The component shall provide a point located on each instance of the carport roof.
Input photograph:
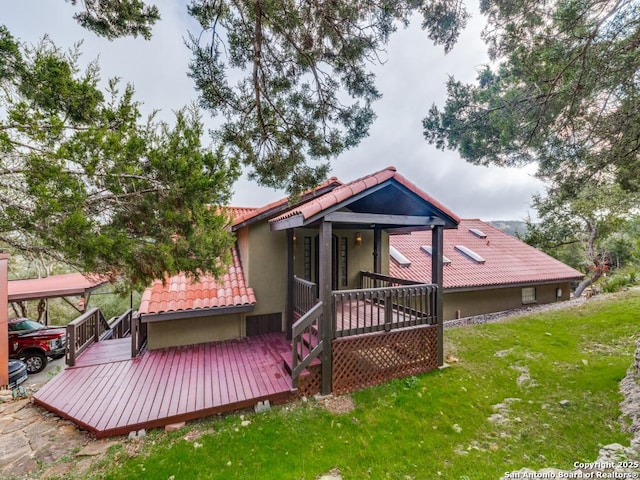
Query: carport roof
(64, 285)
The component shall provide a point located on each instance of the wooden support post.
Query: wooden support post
(71, 345)
(324, 294)
(289, 306)
(437, 246)
(377, 254)
(4, 319)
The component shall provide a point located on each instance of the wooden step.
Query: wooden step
(287, 361)
(310, 340)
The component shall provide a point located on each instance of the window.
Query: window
(529, 295)
(343, 262)
(307, 258)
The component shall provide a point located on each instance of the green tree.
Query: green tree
(585, 218)
(292, 81)
(86, 182)
(117, 18)
(562, 90)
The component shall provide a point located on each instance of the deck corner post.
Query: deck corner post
(4, 319)
(71, 346)
(324, 294)
(289, 306)
(437, 240)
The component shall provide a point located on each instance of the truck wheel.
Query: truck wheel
(36, 361)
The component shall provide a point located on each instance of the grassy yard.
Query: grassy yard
(497, 409)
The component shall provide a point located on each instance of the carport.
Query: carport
(55, 286)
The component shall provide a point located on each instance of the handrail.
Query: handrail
(121, 326)
(88, 328)
(305, 295)
(378, 278)
(305, 325)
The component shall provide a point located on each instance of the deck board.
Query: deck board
(111, 395)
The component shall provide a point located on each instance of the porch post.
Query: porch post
(288, 311)
(377, 250)
(4, 319)
(324, 294)
(436, 278)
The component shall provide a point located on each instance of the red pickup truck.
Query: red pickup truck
(34, 343)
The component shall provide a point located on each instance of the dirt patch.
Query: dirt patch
(338, 405)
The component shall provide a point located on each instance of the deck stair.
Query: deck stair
(309, 341)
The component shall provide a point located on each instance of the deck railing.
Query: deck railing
(305, 296)
(85, 330)
(377, 280)
(306, 343)
(383, 308)
(121, 326)
(138, 335)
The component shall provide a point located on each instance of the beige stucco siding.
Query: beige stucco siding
(359, 257)
(479, 302)
(191, 331)
(265, 267)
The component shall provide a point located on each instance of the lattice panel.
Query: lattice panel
(309, 384)
(364, 360)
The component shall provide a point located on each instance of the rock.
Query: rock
(262, 407)
(333, 474)
(173, 427)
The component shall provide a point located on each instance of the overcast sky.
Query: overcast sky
(412, 78)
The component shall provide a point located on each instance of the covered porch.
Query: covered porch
(385, 327)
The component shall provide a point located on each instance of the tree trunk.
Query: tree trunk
(587, 282)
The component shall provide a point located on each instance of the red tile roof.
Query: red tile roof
(180, 293)
(237, 212)
(348, 190)
(273, 206)
(507, 259)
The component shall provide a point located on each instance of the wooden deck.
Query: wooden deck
(109, 393)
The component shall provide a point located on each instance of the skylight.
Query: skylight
(470, 253)
(427, 249)
(478, 233)
(399, 258)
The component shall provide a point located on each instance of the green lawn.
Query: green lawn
(435, 425)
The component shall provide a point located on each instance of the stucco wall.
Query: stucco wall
(359, 257)
(191, 331)
(479, 302)
(265, 267)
